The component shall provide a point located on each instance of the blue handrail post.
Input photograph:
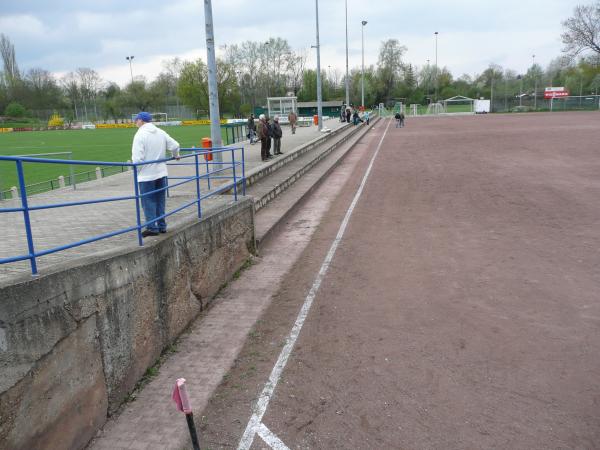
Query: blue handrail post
(234, 177)
(137, 205)
(25, 206)
(243, 173)
(198, 186)
(207, 170)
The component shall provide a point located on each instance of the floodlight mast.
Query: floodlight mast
(319, 95)
(362, 81)
(347, 73)
(213, 94)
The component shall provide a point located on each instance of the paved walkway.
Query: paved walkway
(205, 354)
(56, 227)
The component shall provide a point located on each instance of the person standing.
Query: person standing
(150, 144)
(348, 114)
(401, 119)
(270, 141)
(251, 129)
(397, 117)
(277, 133)
(293, 119)
(263, 131)
(366, 117)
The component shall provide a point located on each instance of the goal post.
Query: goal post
(459, 104)
(156, 117)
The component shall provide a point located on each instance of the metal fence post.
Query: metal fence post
(72, 172)
(243, 173)
(198, 186)
(207, 172)
(137, 205)
(26, 217)
(234, 177)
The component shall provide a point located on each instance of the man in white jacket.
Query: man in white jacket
(150, 144)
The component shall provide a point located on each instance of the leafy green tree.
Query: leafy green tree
(15, 109)
(192, 87)
(140, 96)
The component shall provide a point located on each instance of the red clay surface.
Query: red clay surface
(461, 310)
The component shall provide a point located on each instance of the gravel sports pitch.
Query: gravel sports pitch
(461, 309)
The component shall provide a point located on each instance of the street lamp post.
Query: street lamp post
(213, 94)
(130, 58)
(319, 94)
(347, 74)
(436, 67)
(362, 81)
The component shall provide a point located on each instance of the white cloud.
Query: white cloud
(22, 25)
(473, 33)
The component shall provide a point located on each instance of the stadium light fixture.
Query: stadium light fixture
(130, 58)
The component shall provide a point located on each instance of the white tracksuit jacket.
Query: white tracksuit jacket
(150, 144)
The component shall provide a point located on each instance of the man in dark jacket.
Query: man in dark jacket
(277, 133)
(263, 129)
(269, 123)
(251, 129)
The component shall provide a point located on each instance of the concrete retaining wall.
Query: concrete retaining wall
(73, 344)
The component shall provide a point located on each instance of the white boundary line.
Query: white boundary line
(265, 397)
(273, 441)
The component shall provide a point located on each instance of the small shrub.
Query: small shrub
(14, 109)
(56, 121)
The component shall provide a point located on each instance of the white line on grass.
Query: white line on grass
(267, 392)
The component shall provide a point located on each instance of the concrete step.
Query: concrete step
(298, 179)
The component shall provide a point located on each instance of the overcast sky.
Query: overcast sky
(62, 35)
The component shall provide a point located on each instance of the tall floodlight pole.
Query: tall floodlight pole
(130, 58)
(534, 82)
(436, 68)
(347, 73)
(319, 96)
(362, 80)
(213, 94)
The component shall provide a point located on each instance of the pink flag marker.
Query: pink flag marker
(182, 401)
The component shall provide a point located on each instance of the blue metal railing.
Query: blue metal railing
(211, 171)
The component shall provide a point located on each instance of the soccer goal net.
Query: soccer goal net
(435, 108)
(156, 117)
(459, 104)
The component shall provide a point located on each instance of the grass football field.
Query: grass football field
(90, 145)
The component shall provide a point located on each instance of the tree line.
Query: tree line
(250, 72)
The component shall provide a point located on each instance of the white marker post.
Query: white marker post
(180, 397)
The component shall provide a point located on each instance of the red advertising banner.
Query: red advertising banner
(555, 92)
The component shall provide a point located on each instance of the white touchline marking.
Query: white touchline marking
(267, 392)
(270, 439)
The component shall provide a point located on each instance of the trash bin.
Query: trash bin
(207, 143)
(316, 119)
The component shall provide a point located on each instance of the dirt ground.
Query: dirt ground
(461, 310)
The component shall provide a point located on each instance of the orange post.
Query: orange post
(207, 143)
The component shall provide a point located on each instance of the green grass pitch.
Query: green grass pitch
(90, 145)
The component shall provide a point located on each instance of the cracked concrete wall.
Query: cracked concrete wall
(74, 343)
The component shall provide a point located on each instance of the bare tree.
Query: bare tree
(71, 89)
(11, 70)
(582, 31)
(90, 84)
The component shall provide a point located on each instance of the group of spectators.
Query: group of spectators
(268, 132)
(352, 115)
